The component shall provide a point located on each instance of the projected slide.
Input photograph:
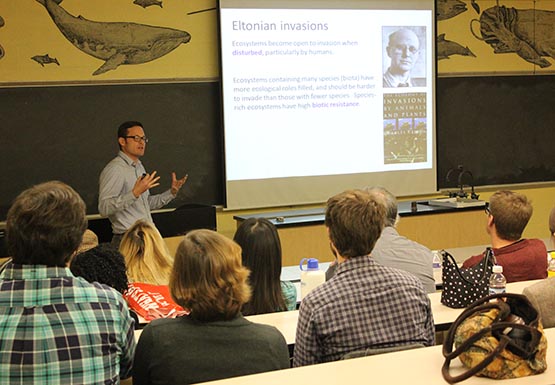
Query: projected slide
(326, 92)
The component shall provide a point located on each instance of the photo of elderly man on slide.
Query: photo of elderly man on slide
(404, 56)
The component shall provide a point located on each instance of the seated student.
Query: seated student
(55, 328)
(147, 257)
(90, 240)
(542, 294)
(214, 341)
(103, 264)
(508, 214)
(396, 251)
(365, 305)
(261, 253)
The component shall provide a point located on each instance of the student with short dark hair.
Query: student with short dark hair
(81, 333)
(214, 341)
(261, 253)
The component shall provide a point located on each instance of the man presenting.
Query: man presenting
(124, 195)
(403, 49)
(365, 305)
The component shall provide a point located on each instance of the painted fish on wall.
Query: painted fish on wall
(446, 48)
(447, 9)
(147, 3)
(117, 43)
(45, 59)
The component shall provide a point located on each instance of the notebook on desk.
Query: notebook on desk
(457, 202)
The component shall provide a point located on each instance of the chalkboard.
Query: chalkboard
(501, 128)
(69, 133)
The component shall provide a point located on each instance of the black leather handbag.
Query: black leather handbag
(461, 287)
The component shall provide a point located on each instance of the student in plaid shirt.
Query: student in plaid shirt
(365, 305)
(56, 328)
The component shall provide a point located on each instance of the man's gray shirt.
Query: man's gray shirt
(116, 199)
(396, 251)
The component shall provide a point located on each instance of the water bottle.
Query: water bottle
(497, 281)
(436, 265)
(311, 276)
(436, 260)
(551, 265)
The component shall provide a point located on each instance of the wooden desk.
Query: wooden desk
(415, 367)
(303, 234)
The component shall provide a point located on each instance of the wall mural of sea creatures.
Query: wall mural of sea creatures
(446, 48)
(2, 52)
(45, 59)
(447, 9)
(117, 43)
(147, 3)
(527, 32)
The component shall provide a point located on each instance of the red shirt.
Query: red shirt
(523, 260)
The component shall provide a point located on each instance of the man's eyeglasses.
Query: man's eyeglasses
(137, 138)
(400, 48)
(487, 209)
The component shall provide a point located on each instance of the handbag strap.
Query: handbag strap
(480, 366)
(488, 258)
(480, 306)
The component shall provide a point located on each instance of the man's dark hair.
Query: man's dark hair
(123, 128)
(102, 264)
(45, 225)
(261, 254)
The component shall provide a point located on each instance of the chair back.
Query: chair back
(374, 351)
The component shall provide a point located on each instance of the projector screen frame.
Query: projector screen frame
(320, 188)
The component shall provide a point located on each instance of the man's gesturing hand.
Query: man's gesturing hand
(145, 183)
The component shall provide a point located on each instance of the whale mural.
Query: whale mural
(117, 43)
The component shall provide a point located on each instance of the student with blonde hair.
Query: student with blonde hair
(214, 341)
(147, 257)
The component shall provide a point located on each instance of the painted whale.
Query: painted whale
(116, 43)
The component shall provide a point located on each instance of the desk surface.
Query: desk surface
(415, 367)
(316, 216)
(286, 322)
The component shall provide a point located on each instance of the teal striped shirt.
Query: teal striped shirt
(59, 329)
